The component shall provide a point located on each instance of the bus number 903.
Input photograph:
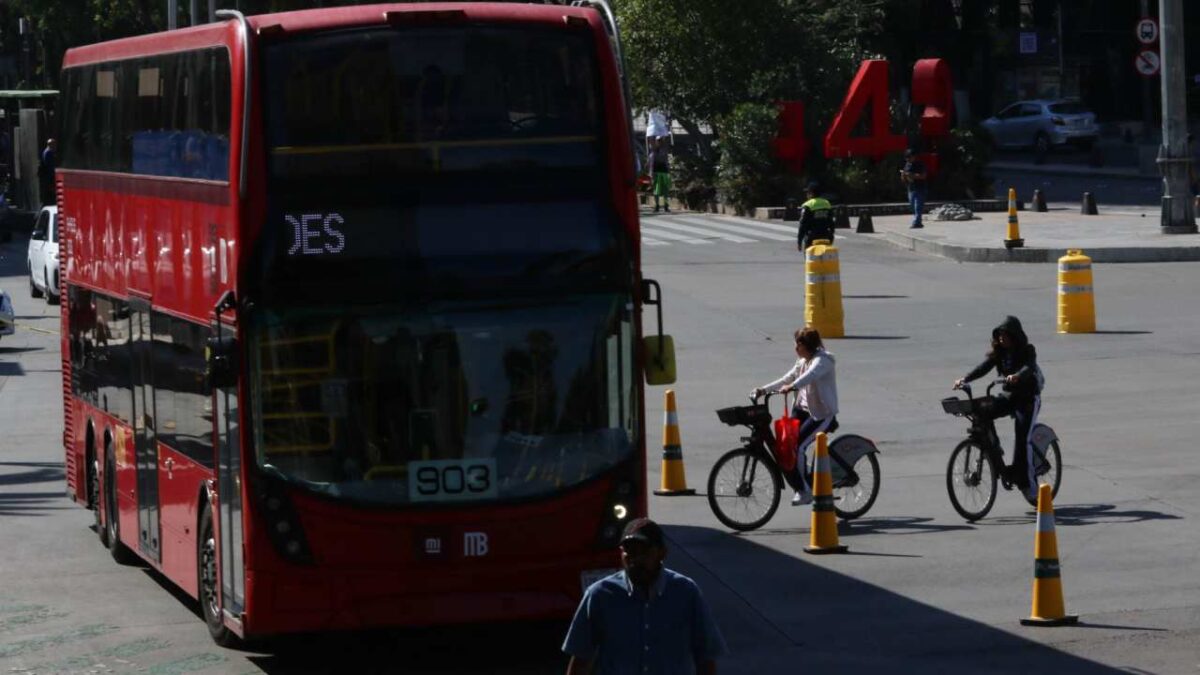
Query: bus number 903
(452, 480)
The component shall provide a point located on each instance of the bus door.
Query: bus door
(144, 441)
(232, 571)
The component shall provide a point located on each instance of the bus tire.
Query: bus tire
(206, 589)
(93, 496)
(112, 524)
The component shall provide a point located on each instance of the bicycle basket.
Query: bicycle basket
(744, 415)
(964, 406)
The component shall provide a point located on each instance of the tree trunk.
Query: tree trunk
(703, 143)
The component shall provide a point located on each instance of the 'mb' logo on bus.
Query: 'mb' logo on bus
(475, 544)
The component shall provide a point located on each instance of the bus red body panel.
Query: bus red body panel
(158, 232)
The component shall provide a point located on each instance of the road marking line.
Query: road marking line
(750, 222)
(660, 222)
(663, 234)
(740, 229)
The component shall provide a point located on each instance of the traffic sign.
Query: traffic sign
(1147, 30)
(1147, 63)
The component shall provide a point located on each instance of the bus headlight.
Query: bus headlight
(620, 511)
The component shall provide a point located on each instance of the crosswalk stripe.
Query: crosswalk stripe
(740, 229)
(751, 222)
(664, 234)
(660, 222)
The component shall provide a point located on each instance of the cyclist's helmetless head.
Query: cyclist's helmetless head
(643, 548)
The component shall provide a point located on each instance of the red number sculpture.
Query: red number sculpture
(791, 145)
(870, 86)
(933, 88)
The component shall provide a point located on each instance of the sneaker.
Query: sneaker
(915, 226)
(1042, 469)
(656, 209)
(801, 498)
(667, 209)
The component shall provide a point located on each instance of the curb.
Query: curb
(984, 254)
(1068, 170)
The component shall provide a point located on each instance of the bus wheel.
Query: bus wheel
(93, 482)
(119, 551)
(206, 564)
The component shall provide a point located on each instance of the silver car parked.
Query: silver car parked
(1043, 125)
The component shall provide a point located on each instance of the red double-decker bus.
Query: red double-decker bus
(351, 311)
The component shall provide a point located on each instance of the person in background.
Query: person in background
(645, 619)
(46, 166)
(816, 219)
(913, 175)
(660, 172)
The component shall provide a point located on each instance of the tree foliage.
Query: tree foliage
(699, 59)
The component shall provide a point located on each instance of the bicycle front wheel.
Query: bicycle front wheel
(971, 481)
(854, 492)
(743, 489)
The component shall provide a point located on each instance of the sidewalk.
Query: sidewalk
(1115, 237)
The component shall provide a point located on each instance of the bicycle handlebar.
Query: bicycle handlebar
(966, 386)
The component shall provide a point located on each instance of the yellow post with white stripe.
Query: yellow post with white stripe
(823, 290)
(1048, 607)
(674, 482)
(1013, 238)
(823, 535)
(1076, 302)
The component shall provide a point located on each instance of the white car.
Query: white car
(8, 321)
(43, 255)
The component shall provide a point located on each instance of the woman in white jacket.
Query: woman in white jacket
(814, 377)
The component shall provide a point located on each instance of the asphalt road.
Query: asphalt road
(920, 590)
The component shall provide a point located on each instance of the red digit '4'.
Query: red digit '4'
(933, 88)
(870, 87)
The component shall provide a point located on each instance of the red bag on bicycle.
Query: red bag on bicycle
(787, 437)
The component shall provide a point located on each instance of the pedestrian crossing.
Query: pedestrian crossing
(696, 229)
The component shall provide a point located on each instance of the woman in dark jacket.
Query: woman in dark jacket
(1016, 361)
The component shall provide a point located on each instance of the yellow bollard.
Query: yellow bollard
(1013, 239)
(674, 482)
(823, 290)
(1076, 302)
(823, 536)
(1048, 607)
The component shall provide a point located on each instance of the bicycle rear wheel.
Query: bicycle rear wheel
(1048, 468)
(743, 489)
(971, 481)
(854, 495)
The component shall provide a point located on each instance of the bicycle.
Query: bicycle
(975, 464)
(745, 484)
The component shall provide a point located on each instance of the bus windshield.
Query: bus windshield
(415, 149)
(458, 402)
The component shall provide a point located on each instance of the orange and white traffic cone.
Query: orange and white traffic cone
(674, 482)
(823, 537)
(1048, 607)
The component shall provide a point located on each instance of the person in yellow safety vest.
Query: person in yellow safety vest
(816, 219)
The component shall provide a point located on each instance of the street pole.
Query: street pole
(195, 12)
(1173, 155)
(1147, 92)
(172, 14)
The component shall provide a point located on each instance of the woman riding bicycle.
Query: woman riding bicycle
(814, 377)
(1016, 361)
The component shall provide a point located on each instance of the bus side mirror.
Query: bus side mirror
(660, 359)
(220, 362)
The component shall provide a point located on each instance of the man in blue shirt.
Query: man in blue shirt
(645, 620)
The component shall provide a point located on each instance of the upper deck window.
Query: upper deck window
(165, 115)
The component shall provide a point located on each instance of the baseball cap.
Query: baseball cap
(644, 529)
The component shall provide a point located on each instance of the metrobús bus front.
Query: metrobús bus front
(441, 326)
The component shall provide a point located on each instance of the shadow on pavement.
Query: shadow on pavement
(11, 370)
(507, 649)
(778, 610)
(38, 472)
(1085, 514)
(19, 350)
(884, 525)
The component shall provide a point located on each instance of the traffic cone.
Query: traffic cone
(1087, 205)
(865, 224)
(1013, 240)
(674, 483)
(1048, 608)
(823, 536)
(1039, 201)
